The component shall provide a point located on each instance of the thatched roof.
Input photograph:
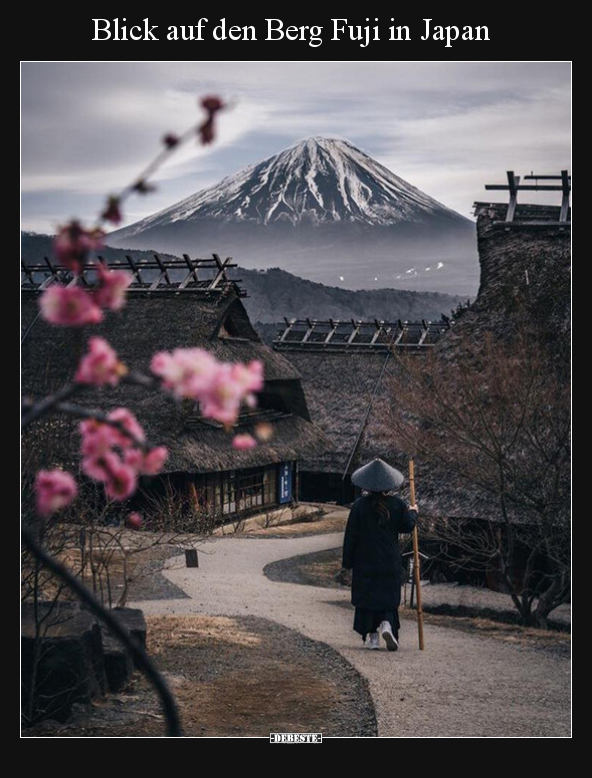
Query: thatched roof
(152, 322)
(525, 277)
(339, 388)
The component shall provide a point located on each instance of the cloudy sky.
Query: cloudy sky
(448, 128)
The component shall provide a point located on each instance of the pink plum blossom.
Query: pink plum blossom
(121, 481)
(134, 457)
(97, 438)
(223, 398)
(154, 460)
(54, 489)
(187, 372)
(100, 367)
(249, 377)
(112, 289)
(96, 467)
(134, 520)
(243, 442)
(73, 244)
(114, 458)
(219, 387)
(129, 423)
(69, 306)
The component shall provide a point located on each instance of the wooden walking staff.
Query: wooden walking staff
(416, 571)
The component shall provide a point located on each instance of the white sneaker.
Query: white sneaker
(373, 641)
(388, 637)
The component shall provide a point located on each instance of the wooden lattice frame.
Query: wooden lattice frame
(174, 275)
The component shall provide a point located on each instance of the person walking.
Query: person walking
(371, 551)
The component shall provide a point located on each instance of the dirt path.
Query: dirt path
(462, 685)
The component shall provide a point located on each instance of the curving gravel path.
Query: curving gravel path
(461, 685)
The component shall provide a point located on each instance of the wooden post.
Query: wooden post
(416, 570)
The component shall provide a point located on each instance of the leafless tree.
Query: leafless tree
(492, 427)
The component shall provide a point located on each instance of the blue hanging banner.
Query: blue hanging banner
(285, 482)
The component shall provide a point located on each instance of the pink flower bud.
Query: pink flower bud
(112, 289)
(243, 442)
(54, 489)
(73, 243)
(134, 520)
(121, 481)
(211, 104)
(154, 460)
(170, 140)
(112, 212)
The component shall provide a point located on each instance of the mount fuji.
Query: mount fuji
(323, 210)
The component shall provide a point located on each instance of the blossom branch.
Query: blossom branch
(32, 412)
(171, 142)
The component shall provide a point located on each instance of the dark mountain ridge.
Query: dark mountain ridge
(274, 293)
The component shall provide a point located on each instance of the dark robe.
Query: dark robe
(371, 551)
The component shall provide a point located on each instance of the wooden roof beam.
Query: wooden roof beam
(308, 333)
(356, 329)
(424, 332)
(192, 274)
(135, 269)
(513, 182)
(332, 331)
(546, 178)
(379, 330)
(28, 272)
(403, 327)
(289, 325)
(527, 187)
(164, 273)
(221, 275)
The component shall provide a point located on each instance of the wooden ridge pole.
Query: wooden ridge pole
(416, 570)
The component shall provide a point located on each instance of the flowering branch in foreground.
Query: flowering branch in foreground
(113, 447)
(219, 387)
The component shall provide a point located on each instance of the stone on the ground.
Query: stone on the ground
(119, 664)
(62, 660)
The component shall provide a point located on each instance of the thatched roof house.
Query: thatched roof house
(174, 304)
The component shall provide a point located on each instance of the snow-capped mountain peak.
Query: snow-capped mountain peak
(318, 180)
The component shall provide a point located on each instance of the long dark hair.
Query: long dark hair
(378, 502)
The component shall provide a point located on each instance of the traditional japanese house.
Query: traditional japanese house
(173, 303)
